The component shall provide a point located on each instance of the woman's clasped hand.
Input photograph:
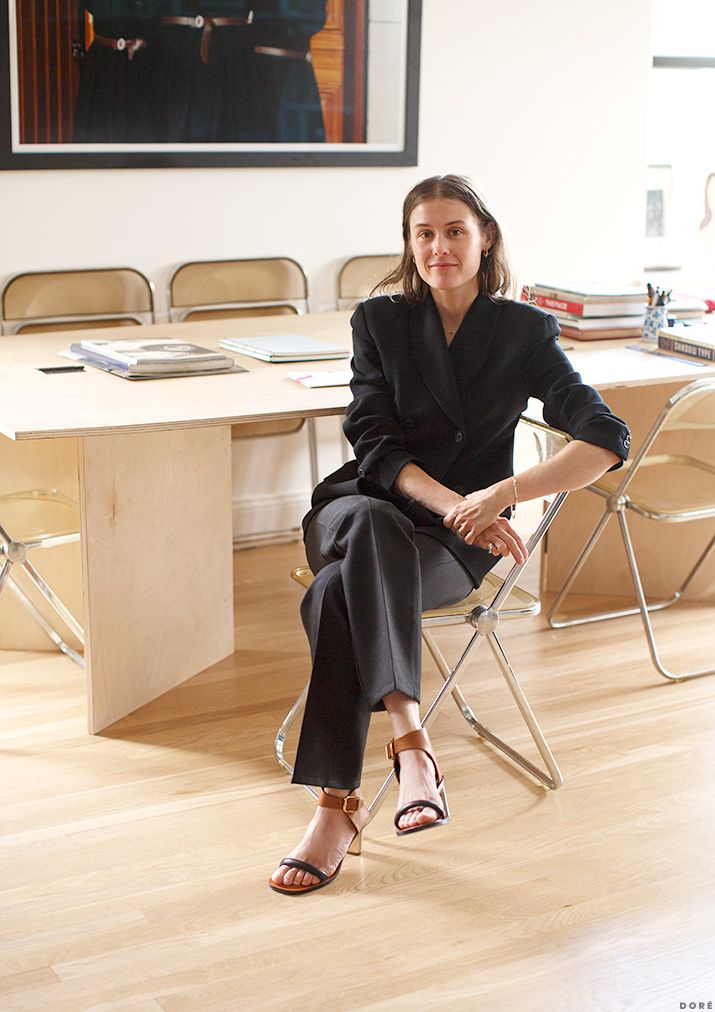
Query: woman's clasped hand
(476, 519)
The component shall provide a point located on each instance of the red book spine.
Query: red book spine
(549, 302)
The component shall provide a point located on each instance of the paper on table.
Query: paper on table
(334, 378)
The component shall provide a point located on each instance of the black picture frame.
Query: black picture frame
(66, 156)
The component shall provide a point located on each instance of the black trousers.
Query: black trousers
(374, 575)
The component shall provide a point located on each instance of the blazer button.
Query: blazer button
(459, 436)
(361, 472)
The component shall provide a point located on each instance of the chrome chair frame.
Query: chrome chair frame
(617, 503)
(484, 619)
(11, 325)
(15, 553)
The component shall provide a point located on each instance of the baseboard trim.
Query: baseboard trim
(261, 518)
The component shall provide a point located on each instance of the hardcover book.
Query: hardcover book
(284, 348)
(696, 341)
(587, 300)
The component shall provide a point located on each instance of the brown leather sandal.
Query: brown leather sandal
(418, 740)
(354, 809)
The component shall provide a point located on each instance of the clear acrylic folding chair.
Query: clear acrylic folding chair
(483, 610)
(38, 301)
(29, 521)
(359, 275)
(666, 487)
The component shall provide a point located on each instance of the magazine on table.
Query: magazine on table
(153, 357)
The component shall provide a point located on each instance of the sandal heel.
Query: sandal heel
(355, 847)
(445, 804)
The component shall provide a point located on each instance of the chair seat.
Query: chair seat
(38, 515)
(518, 604)
(667, 486)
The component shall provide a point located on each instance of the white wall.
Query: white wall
(542, 104)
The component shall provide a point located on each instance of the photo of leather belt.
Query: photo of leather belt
(121, 45)
(206, 25)
(289, 54)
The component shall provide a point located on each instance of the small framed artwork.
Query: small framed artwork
(173, 83)
(659, 238)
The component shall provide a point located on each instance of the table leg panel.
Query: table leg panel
(157, 563)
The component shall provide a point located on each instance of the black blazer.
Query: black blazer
(408, 406)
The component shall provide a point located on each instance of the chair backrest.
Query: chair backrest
(57, 300)
(359, 275)
(692, 407)
(227, 288)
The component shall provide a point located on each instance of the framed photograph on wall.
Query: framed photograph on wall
(659, 237)
(181, 83)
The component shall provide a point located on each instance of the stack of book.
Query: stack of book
(694, 340)
(152, 358)
(591, 312)
(687, 307)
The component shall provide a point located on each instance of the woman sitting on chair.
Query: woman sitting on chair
(441, 374)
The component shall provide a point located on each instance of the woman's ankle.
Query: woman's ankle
(337, 792)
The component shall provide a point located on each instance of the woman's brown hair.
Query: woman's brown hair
(494, 275)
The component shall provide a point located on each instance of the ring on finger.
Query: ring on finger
(489, 547)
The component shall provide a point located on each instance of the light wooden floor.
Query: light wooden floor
(133, 865)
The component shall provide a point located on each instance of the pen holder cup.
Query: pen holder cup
(655, 318)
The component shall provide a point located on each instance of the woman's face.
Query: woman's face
(447, 244)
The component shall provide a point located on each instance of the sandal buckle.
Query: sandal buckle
(351, 804)
(390, 749)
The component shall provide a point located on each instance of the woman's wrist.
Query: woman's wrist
(505, 493)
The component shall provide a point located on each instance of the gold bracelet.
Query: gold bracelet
(516, 495)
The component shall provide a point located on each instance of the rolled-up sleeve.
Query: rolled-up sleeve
(570, 404)
(371, 422)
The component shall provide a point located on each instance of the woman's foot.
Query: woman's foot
(417, 781)
(325, 844)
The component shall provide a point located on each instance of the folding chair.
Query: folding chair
(228, 289)
(63, 300)
(38, 519)
(665, 487)
(359, 275)
(483, 609)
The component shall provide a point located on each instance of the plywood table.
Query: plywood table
(150, 464)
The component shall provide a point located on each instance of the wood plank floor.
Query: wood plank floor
(133, 864)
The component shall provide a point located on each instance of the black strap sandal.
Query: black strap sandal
(418, 740)
(355, 809)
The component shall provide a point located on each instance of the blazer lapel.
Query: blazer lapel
(477, 332)
(432, 358)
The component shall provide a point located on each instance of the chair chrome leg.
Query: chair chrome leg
(53, 600)
(553, 779)
(557, 622)
(45, 625)
(645, 617)
(313, 451)
(280, 739)
(693, 572)
(576, 568)
(443, 668)
(4, 573)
